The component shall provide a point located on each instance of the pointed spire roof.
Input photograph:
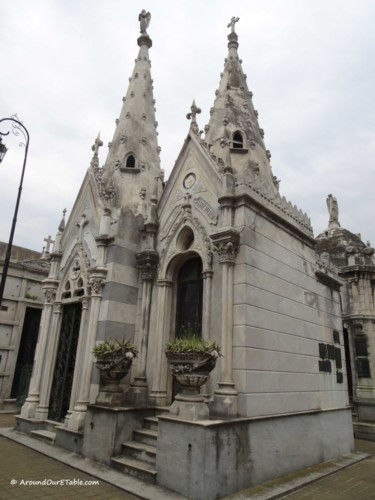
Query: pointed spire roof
(233, 112)
(135, 132)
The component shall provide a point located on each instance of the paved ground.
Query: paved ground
(19, 463)
(355, 482)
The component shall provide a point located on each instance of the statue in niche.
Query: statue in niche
(144, 19)
(333, 210)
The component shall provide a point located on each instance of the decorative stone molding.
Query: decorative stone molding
(97, 281)
(147, 262)
(226, 245)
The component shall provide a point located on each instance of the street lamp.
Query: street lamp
(17, 127)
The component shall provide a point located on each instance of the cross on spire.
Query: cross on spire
(49, 241)
(97, 144)
(232, 23)
(192, 116)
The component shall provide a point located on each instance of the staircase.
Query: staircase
(138, 458)
(47, 434)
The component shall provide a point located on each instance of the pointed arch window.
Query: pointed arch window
(189, 298)
(237, 140)
(130, 164)
(130, 161)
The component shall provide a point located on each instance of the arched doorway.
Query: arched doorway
(65, 361)
(189, 298)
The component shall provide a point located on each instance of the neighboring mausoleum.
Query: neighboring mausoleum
(354, 261)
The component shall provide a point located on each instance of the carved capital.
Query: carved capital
(49, 294)
(96, 284)
(85, 302)
(97, 280)
(147, 262)
(57, 308)
(226, 245)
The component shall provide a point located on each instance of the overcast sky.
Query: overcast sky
(65, 66)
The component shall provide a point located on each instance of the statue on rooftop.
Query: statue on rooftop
(144, 19)
(333, 210)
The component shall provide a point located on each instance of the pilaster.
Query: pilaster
(225, 398)
(147, 263)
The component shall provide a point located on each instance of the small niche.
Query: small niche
(185, 239)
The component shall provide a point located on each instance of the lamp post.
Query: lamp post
(17, 127)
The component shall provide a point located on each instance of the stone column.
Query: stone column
(32, 402)
(147, 262)
(206, 313)
(225, 397)
(49, 362)
(96, 280)
(158, 394)
(85, 301)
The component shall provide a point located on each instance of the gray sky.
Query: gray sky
(310, 65)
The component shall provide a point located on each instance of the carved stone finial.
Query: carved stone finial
(192, 116)
(95, 147)
(333, 211)
(144, 19)
(62, 223)
(97, 144)
(232, 23)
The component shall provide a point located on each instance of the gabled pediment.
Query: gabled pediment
(195, 178)
(83, 224)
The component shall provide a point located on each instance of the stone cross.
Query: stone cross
(192, 116)
(232, 23)
(98, 143)
(49, 241)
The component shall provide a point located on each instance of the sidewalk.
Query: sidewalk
(352, 476)
(23, 458)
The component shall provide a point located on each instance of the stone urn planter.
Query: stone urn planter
(113, 360)
(191, 359)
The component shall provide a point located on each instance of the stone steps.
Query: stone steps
(138, 458)
(135, 468)
(140, 451)
(146, 436)
(44, 435)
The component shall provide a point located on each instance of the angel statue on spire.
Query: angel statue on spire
(144, 19)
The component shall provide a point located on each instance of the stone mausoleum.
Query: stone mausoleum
(215, 246)
(20, 313)
(354, 262)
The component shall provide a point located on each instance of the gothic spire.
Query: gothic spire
(134, 147)
(234, 121)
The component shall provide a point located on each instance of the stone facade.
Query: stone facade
(19, 322)
(354, 261)
(215, 248)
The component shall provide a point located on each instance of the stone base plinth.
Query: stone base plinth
(224, 405)
(189, 410)
(110, 398)
(106, 428)
(214, 458)
(137, 395)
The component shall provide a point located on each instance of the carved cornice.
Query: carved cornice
(147, 262)
(226, 244)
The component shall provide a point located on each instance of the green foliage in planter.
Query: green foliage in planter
(113, 347)
(192, 344)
